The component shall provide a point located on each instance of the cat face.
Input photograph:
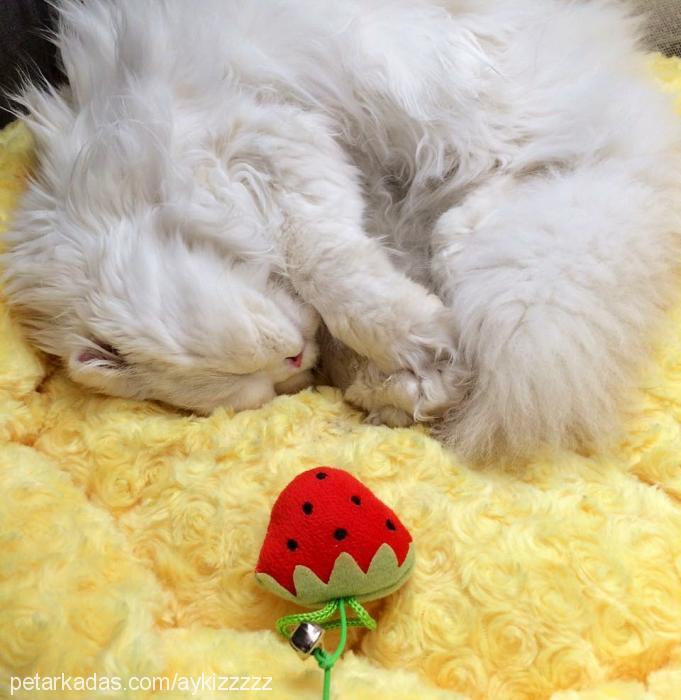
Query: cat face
(143, 254)
(151, 276)
(192, 329)
(151, 317)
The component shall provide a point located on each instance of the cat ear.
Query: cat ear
(96, 354)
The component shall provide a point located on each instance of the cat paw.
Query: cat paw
(402, 398)
(296, 383)
(412, 330)
(428, 342)
(391, 416)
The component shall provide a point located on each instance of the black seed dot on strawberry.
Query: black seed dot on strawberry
(292, 545)
(307, 507)
(356, 500)
(390, 525)
(321, 475)
(340, 533)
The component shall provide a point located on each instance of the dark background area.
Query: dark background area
(25, 50)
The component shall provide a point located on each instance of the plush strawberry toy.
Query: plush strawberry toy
(330, 542)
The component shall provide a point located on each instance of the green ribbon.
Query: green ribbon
(322, 618)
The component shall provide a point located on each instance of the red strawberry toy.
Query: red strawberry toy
(331, 542)
(330, 537)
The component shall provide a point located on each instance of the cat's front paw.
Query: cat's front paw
(391, 416)
(401, 398)
(412, 330)
(426, 344)
(296, 383)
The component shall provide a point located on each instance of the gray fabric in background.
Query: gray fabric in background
(664, 24)
(24, 48)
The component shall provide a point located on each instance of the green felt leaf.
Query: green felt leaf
(383, 577)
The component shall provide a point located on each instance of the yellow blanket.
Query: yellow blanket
(129, 533)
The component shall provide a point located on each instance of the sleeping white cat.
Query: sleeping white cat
(480, 197)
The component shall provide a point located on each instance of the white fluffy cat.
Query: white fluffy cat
(481, 197)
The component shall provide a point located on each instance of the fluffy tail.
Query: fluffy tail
(557, 288)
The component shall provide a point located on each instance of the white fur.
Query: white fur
(219, 171)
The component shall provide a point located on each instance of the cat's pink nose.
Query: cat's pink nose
(297, 360)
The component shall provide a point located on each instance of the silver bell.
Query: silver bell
(306, 638)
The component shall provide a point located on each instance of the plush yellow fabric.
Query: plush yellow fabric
(129, 534)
